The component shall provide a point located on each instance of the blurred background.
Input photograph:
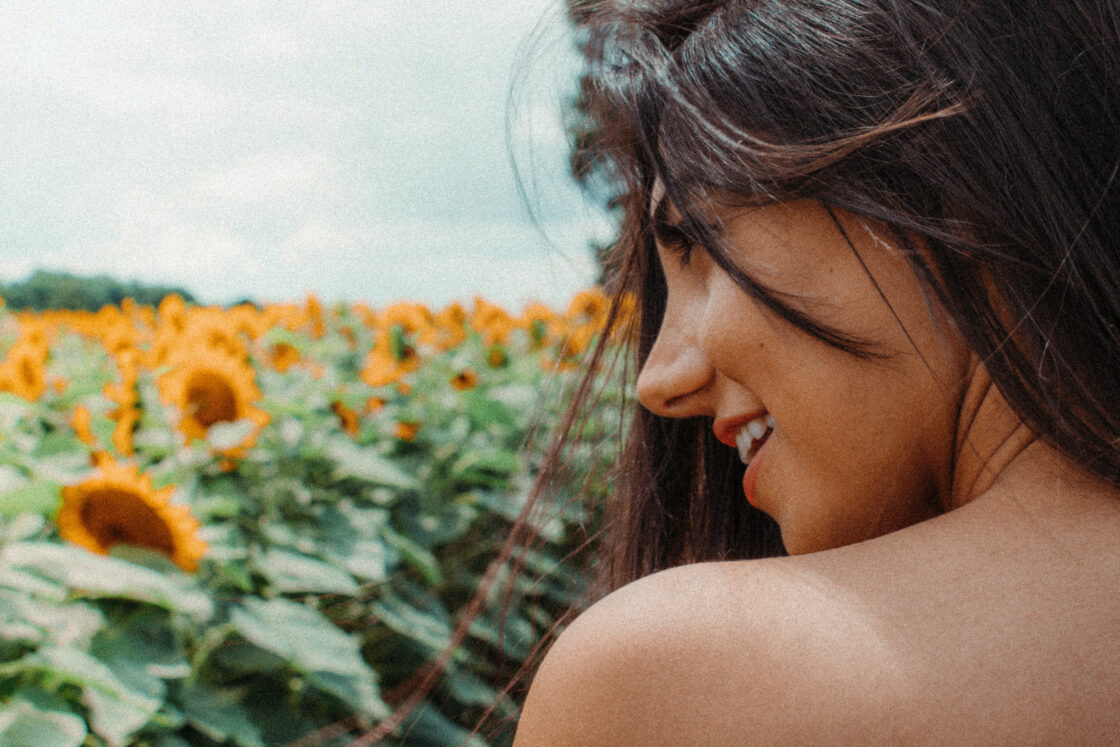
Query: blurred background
(309, 519)
(361, 150)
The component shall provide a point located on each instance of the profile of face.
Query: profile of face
(839, 448)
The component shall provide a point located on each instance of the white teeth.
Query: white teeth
(749, 434)
(743, 441)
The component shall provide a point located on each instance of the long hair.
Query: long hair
(984, 134)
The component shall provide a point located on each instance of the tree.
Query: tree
(60, 290)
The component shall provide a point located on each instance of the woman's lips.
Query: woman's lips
(750, 477)
(726, 428)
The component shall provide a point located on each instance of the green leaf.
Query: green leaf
(216, 507)
(63, 468)
(292, 572)
(467, 688)
(314, 646)
(24, 527)
(402, 617)
(64, 624)
(485, 411)
(516, 639)
(141, 649)
(59, 442)
(97, 576)
(169, 740)
(237, 657)
(103, 428)
(367, 561)
(426, 725)
(415, 556)
(348, 536)
(37, 496)
(398, 343)
(31, 584)
(11, 477)
(499, 461)
(223, 436)
(24, 725)
(219, 715)
(12, 409)
(360, 463)
(116, 711)
(519, 397)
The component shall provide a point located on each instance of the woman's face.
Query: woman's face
(843, 448)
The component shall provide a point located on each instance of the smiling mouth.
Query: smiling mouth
(750, 436)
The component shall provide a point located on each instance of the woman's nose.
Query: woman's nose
(676, 377)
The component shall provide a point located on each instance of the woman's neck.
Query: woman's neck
(990, 439)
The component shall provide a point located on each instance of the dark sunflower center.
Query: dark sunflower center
(116, 517)
(28, 372)
(210, 399)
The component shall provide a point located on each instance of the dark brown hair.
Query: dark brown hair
(984, 132)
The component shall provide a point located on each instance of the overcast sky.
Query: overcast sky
(352, 148)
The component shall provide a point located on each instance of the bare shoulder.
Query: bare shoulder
(708, 653)
(988, 622)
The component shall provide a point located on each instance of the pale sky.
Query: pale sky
(352, 148)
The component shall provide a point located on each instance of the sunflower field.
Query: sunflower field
(259, 525)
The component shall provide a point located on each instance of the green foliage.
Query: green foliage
(60, 290)
(340, 560)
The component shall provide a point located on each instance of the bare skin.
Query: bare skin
(992, 624)
(989, 620)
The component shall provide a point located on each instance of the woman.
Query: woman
(875, 249)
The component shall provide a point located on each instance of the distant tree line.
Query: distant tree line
(60, 290)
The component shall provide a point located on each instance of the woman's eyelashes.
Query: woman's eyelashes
(674, 241)
(669, 233)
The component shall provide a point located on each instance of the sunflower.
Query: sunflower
(315, 318)
(81, 421)
(493, 322)
(464, 380)
(208, 387)
(538, 320)
(381, 369)
(496, 357)
(173, 312)
(127, 418)
(347, 418)
(412, 318)
(212, 327)
(283, 355)
(118, 506)
(392, 358)
(571, 348)
(406, 430)
(449, 328)
(124, 395)
(589, 306)
(24, 371)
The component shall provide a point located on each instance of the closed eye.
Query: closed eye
(670, 235)
(675, 241)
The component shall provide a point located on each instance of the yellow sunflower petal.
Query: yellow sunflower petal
(118, 506)
(209, 387)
